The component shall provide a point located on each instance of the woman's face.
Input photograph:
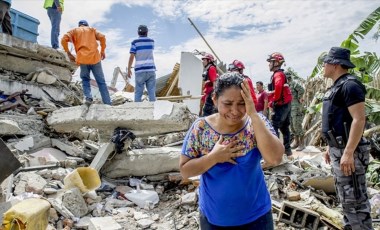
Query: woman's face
(230, 105)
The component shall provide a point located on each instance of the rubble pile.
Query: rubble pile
(69, 166)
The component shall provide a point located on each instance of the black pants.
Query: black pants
(265, 222)
(5, 18)
(281, 121)
(208, 107)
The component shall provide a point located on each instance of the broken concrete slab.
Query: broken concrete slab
(24, 57)
(103, 223)
(50, 156)
(143, 162)
(32, 143)
(29, 124)
(67, 147)
(9, 127)
(72, 199)
(146, 118)
(29, 182)
(11, 86)
(102, 155)
(57, 205)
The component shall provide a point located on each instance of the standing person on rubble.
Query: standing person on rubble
(296, 113)
(262, 99)
(145, 69)
(226, 148)
(343, 122)
(84, 39)
(281, 98)
(239, 67)
(54, 10)
(209, 75)
(5, 16)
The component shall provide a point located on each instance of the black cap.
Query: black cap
(143, 29)
(340, 56)
(82, 23)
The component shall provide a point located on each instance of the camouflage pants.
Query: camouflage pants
(296, 120)
(356, 209)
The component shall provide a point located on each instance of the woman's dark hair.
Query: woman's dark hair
(226, 81)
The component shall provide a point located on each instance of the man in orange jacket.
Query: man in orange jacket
(88, 57)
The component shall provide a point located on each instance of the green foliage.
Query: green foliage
(373, 111)
(367, 64)
(315, 109)
(372, 93)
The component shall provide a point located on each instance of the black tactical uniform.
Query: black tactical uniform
(336, 122)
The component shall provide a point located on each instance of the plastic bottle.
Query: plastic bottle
(142, 197)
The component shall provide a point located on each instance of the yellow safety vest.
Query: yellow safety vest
(49, 3)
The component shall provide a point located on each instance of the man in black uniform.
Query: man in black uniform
(343, 121)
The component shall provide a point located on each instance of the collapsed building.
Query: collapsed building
(116, 167)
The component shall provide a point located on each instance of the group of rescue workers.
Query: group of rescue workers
(226, 143)
(284, 99)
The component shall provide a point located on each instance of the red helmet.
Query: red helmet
(238, 64)
(276, 56)
(208, 57)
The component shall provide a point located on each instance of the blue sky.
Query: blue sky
(236, 29)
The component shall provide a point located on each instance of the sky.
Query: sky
(246, 30)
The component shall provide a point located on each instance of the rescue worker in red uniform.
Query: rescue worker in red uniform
(281, 97)
(209, 75)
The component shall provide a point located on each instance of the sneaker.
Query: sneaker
(87, 101)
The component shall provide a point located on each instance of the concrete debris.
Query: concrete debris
(142, 162)
(102, 156)
(72, 199)
(9, 127)
(103, 223)
(67, 163)
(24, 57)
(140, 118)
(29, 124)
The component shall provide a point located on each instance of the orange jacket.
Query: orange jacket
(85, 42)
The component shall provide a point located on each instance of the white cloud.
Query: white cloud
(301, 30)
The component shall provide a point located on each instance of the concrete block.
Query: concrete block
(299, 217)
(143, 162)
(293, 195)
(102, 155)
(100, 223)
(29, 124)
(141, 118)
(9, 127)
(67, 148)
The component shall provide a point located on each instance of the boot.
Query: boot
(301, 144)
(288, 152)
(295, 142)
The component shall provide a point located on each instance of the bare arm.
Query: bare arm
(130, 62)
(219, 154)
(194, 167)
(265, 111)
(357, 112)
(269, 145)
